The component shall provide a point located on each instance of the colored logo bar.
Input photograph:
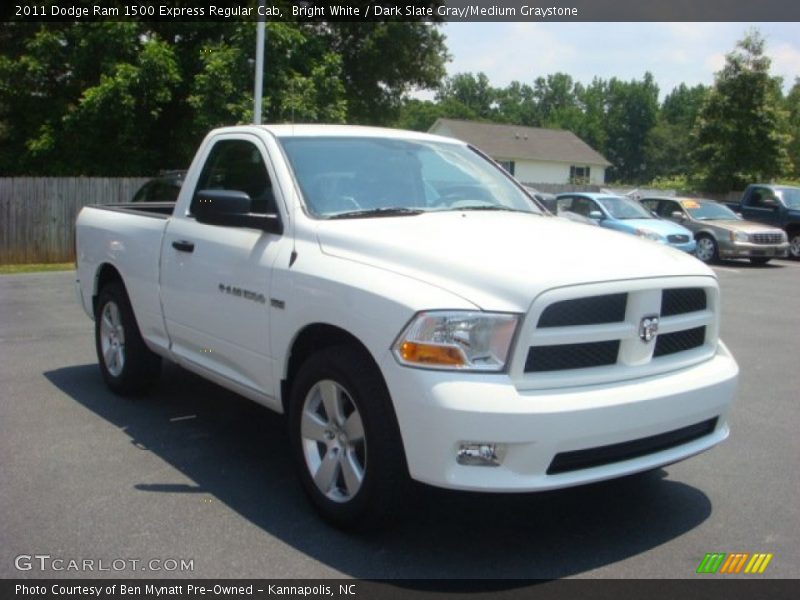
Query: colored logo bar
(733, 563)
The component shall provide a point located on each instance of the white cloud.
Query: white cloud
(714, 62)
(785, 62)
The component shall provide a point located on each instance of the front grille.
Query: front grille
(766, 238)
(585, 311)
(571, 356)
(678, 239)
(679, 341)
(604, 455)
(678, 301)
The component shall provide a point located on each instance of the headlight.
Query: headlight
(650, 235)
(739, 236)
(464, 340)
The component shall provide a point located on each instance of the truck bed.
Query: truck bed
(148, 209)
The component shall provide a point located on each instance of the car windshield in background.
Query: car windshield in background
(624, 208)
(707, 210)
(791, 197)
(373, 177)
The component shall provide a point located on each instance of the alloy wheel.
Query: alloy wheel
(333, 441)
(112, 339)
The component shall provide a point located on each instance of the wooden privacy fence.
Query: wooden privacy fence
(37, 214)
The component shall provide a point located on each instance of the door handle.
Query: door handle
(183, 246)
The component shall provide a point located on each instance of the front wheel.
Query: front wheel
(794, 245)
(706, 249)
(345, 439)
(127, 365)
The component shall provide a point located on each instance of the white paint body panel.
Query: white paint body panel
(369, 277)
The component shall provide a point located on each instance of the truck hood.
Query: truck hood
(500, 260)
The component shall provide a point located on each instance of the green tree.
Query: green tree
(631, 114)
(592, 100)
(382, 63)
(470, 95)
(516, 104)
(668, 143)
(557, 104)
(740, 132)
(793, 110)
(117, 98)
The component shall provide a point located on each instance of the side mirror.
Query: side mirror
(233, 209)
(596, 215)
(677, 215)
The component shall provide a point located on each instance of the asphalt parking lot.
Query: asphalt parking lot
(194, 472)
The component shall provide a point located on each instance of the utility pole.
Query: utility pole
(260, 31)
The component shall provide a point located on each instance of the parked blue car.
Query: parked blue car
(628, 216)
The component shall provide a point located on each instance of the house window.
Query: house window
(508, 165)
(579, 174)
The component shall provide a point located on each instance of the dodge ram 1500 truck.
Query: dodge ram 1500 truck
(409, 307)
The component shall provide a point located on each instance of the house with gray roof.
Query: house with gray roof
(532, 154)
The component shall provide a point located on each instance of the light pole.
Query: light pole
(260, 30)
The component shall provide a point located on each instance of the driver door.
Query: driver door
(215, 280)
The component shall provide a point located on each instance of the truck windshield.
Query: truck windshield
(791, 196)
(354, 177)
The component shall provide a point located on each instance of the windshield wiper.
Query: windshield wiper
(492, 207)
(387, 211)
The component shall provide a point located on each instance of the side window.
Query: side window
(667, 207)
(583, 206)
(757, 196)
(651, 205)
(565, 203)
(238, 165)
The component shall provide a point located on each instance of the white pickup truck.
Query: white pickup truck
(415, 314)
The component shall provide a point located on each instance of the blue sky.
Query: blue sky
(672, 52)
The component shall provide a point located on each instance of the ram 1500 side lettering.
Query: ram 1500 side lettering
(404, 301)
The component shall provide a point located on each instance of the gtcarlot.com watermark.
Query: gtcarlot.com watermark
(46, 562)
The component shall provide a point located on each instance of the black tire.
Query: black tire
(127, 365)
(348, 375)
(760, 260)
(708, 252)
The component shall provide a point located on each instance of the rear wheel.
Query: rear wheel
(706, 249)
(345, 439)
(127, 365)
(759, 260)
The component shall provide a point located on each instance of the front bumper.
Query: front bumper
(748, 250)
(438, 411)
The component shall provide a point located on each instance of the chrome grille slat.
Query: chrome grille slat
(766, 238)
